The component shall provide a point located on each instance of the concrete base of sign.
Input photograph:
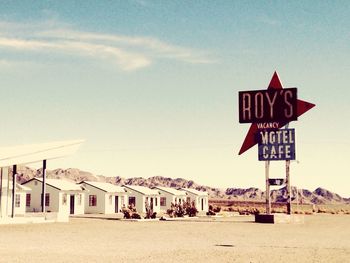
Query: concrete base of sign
(279, 219)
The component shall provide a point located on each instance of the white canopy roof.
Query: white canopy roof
(25, 154)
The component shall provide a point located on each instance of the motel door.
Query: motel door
(116, 201)
(202, 204)
(72, 204)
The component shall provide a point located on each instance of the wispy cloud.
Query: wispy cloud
(129, 53)
(269, 20)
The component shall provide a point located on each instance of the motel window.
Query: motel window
(64, 199)
(47, 199)
(79, 199)
(92, 200)
(132, 200)
(28, 197)
(163, 201)
(156, 201)
(18, 200)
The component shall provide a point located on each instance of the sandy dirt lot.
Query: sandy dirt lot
(322, 238)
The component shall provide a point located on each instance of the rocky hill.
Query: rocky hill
(71, 174)
(319, 196)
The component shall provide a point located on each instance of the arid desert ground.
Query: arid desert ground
(322, 238)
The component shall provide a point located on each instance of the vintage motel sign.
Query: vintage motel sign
(268, 111)
(301, 108)
(276, 145)
(272, 105)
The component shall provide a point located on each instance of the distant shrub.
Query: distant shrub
(180, 210)
(217, 209)
(243, 212)
(321, 210)
(127, 214)
(308, 213)
(213, 210)
(211, 213)
(298, 212)
(255, 211)
(130, 212)
(135, 216)
(190, 209)
(170, 212)
(149, 211)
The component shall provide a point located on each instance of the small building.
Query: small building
(170, 196)
(199, 198)
(103, 198)
(61, 196)
(21, 199)
(139, 196)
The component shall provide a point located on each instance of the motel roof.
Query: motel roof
(142, 189)
(59, 184)
(105, 187)
(170, 190)
(194, 191)
(22, 188)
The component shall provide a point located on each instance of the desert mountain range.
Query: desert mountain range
(318, 196)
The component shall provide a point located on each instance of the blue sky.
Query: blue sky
(153, 85)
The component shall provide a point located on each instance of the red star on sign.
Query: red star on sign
(302, 107)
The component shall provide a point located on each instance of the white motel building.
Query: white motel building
(103, 198)
(62, 196)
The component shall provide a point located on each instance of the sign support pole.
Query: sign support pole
(289, 192)
(268, 200)
(43, 190)
(14, 175)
